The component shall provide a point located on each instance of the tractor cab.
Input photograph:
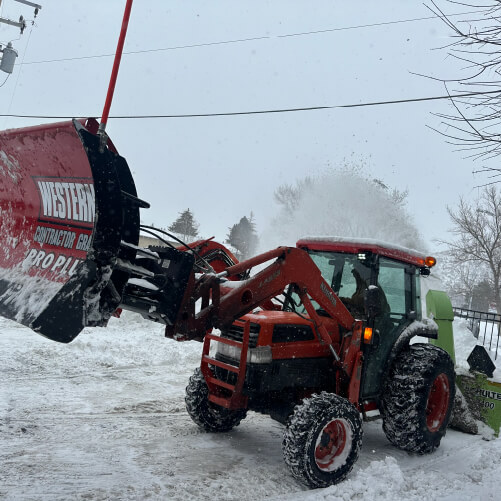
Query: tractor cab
(353, 267)
(378, 283)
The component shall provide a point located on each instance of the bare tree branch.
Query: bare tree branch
(477, 227)
(476, 41)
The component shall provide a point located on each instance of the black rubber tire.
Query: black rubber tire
(306, 427)
(208, 416)
(406, 403)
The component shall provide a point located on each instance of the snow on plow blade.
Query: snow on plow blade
(66, 209)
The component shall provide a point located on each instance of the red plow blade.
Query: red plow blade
(68, 213)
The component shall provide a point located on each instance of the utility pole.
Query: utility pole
(9, 54)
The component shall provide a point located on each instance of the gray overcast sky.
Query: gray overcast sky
(224, 167)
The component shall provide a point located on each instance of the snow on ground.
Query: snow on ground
(104, 418)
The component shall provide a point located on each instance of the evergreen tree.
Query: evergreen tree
(243, 237)
(482, 296)
(185, 226)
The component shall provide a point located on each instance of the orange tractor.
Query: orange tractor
(319, 338)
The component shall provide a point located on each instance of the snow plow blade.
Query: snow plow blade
(69, 217)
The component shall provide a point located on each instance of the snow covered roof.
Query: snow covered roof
(356, 244)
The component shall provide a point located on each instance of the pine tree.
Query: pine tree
(185, 226)
(243, 237)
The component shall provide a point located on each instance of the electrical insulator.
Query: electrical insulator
(8, 59)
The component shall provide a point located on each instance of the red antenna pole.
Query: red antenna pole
(116, 66)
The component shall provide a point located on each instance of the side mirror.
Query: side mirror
(372, 301)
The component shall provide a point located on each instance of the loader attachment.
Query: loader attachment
(69, 224)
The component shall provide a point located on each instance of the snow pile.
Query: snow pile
(387, 480)
(130, 341)
(27, 295)
(464, 342)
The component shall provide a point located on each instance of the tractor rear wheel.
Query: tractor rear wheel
(322, 440)
(418, 397)
(208, 416)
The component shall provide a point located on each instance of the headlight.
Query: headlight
(259, 355)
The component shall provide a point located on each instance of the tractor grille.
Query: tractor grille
(285, 333)
(236, 332)
(223, 374)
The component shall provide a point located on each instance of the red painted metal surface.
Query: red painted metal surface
(334, 437)
(216, 254)
(303, 349)
(47, 203)
(116, 65)
(57, 268)
(354, 247)
(291, 266)
(355, 380)
(220, 392)
(438, 403)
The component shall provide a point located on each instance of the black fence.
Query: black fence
(485, 326)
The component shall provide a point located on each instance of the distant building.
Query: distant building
(145, 241)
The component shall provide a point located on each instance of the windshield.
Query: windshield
(347, 274)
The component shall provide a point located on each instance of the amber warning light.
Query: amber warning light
(368, 335)
(430, 261)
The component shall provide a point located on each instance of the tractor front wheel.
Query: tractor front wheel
(208, 416)
(418, 397)
(322, 440)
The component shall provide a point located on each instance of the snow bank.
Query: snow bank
(464, 342)
(387, 480)
(127, 342)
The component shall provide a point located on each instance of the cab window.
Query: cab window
(347, 274)
(396, 284)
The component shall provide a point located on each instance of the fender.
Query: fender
(424, 328)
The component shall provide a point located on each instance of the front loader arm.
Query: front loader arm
(222, 303)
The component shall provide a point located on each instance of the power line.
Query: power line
(6, 78)
(250, 39)
(20, 70)
(272, 111)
